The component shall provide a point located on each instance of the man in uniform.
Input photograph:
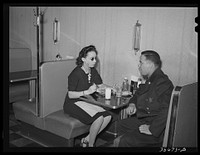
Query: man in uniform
(148, 107)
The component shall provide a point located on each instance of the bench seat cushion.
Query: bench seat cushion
(65, 126)
(25, 111)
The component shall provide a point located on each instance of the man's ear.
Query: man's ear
(151, 64)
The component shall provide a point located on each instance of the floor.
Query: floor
(18, 139)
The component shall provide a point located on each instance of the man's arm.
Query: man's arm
(163, 89)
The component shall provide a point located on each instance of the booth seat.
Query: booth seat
(181, 127)
(20, 59)
(47, 114)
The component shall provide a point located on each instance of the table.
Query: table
(29, 75)
(22, 76)
(113, 103)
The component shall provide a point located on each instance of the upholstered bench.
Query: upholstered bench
(48, 113)
(25, 111)
(65, 126)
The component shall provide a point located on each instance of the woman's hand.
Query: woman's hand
(75, 94)
(131, 109)
(101, 88)
(91, 90)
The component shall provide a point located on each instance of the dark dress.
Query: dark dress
(152, 103)
(78, 81)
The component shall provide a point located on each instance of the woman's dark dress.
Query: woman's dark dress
(78, 81)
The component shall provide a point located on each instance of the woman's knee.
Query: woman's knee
(108, 118)
(100, 118)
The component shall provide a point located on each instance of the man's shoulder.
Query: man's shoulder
(162, 77)
(163, 80)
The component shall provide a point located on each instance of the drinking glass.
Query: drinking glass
(118, 89)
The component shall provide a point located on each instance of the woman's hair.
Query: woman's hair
(83, 53)
(153, 56)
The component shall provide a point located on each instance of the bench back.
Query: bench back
(20, 59)
(53, 85)
(185, 131)
(181, 127)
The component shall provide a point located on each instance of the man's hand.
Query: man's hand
(131, 109)
(145, 129)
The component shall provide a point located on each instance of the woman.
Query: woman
(84, 80)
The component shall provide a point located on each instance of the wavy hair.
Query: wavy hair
(83, 53)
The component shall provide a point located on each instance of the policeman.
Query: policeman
(148, 107)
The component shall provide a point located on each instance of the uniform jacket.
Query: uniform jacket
(152, 101)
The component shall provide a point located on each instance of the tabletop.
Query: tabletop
(113, 103)
(22, 75)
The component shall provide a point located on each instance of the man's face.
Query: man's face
(144, 66)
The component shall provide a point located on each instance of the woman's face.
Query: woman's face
(90, 59)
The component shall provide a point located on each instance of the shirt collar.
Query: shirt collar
(153, 76)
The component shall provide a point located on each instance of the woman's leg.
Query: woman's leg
(105, 123)
(94, 130)
(98, 125)
(91, 137)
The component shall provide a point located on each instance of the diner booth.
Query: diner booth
(44, 111)
(47, 113)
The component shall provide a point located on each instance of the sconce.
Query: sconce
(56, 31)
(136, 37)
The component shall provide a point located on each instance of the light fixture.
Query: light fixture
(56, 31)
(137, 37)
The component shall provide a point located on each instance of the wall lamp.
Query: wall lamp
(56, 31)
(136, 37)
